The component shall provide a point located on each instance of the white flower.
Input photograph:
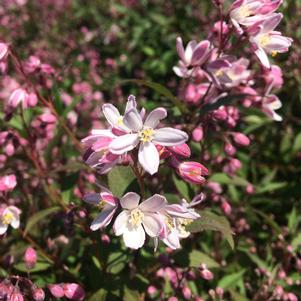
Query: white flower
(146, 135)
(136, 219)
(9, 216)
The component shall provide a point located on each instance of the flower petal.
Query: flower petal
(134, 237)
(149, 157)
(263, 57)
(180, 48)
(132, 120)
(3, 228)
(120, 223)
(111, 113)
(104, 218)
(169, 137)
(130, 200)
(123, 144)
(92, 198)
(153, 204)
(154, 117)
(152, 224)
(131, 103)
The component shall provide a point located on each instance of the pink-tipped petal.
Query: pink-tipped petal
(170, 137)
(130, 200)
(104, 218)
(124, 143)
(111, 113)
(154, 117)
(132, 120)
(153, 204)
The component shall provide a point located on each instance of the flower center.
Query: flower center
(120, 121)
(136, 217)
(264, 40)
(244, 12)
(169, 223)
(146, 135)
(101, 204)
(7, 218)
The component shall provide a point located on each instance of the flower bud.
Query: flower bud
(172, 299)
(18, 96)
(38, 294)
(74, 292)
(56, 290)
(250, 189)
(3, 51)
(30, 258)
(206, 274)
(16, 297)
(229, 149)
(182, 150)
(241, 139)
(151, 290)
(197, 134)
(186, 292)
(219, 291)
(226, 207)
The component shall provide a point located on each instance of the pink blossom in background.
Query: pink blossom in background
(8, 183)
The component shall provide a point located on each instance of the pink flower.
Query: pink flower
(73, 291)
(197, 134)
(146, 136)
(3, 51)
(136, 219)
(9, 216)
(16, 296)
(30, 258)
(56, 290)
(267, 41)
(274, 76)
(194, 93)
(38, 294)
(108, 202)
(205, 273)
(226, 207)
(190, 171)
(240, 138)
(191, 58)
(21, 96)
(8, 183)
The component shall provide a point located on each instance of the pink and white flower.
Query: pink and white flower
(146, 135)
(21, 96)
(137, 219)
(267, 41)
(192, 57)
(8, 182)
(9, 216)
(3, 51)
(109, 204)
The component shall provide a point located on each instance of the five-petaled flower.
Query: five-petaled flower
(9, 216)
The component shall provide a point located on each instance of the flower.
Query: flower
(9, 216)
(8, 182)
(3, 51)
(192, 57)
(21, 96)
(136, 219)
(30, 258)
(267, 41)
(109, 205)
(146, 136)
(73, 291)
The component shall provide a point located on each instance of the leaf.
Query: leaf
(296, 242)
(237, 296)
(130, 295)
(161, 90)
(211, 221)
(32, 221)
(196, 258)
(230, 280)
(223, 178)
(182, 187)
(116, 262)
(271, 187)
(100, 295)
(297, 144)
(119, 179)
(40, 266)
(292, 220)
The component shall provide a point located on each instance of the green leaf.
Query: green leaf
(296, 242)
(116, 262)
(39, 267)
(131, 295)
(32, 221)
(297, 143)
(230, 280)
(292, 220)
(211, 221)
(223, 178)
(100, 295)
(196, 258)
(161, 90)
(271, 187)
(119, 179)
(237, 296)
(182, 187)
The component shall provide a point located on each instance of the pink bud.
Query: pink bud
(292, 297)
(18, 96)
(172, 299)
(197, 134)
(241, 139)
(230, 149)
(250, 189)
(30, 258)
(219, 291)
(151, 290)
(16, 297)
(186, 292)
(38, 294)
(206, 274)
(32, 100)
(182, 150)
(56, 290)
(9, 149)
(226, 207)
(105, 238)
(74, 292)
(3, 50)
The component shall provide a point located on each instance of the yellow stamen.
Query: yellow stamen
(136, 217)
(264, 40)
(274, 53)
(120, 121)
(146, 135)
(244, 12)
(7, 218)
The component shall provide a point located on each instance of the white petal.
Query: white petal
(104, 218)
(172, 240)
(153, 204)
(111, 113)
(132, 120)
(130, 200)
(169, 137)
(263, 57)
(15, 223)
(131, 103)
(134, 237)
(154, 117)
(92, 198)
(121, 223)
(3, 228)
(149, 157)
(152, 224)
(123, 144)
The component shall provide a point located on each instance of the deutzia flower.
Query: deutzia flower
(146, 136)
(136, 219)
(9, 216)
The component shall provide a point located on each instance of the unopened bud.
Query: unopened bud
(197, 134)
(56, 290)
(74, 292)
(38, 294)
(30, 258)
